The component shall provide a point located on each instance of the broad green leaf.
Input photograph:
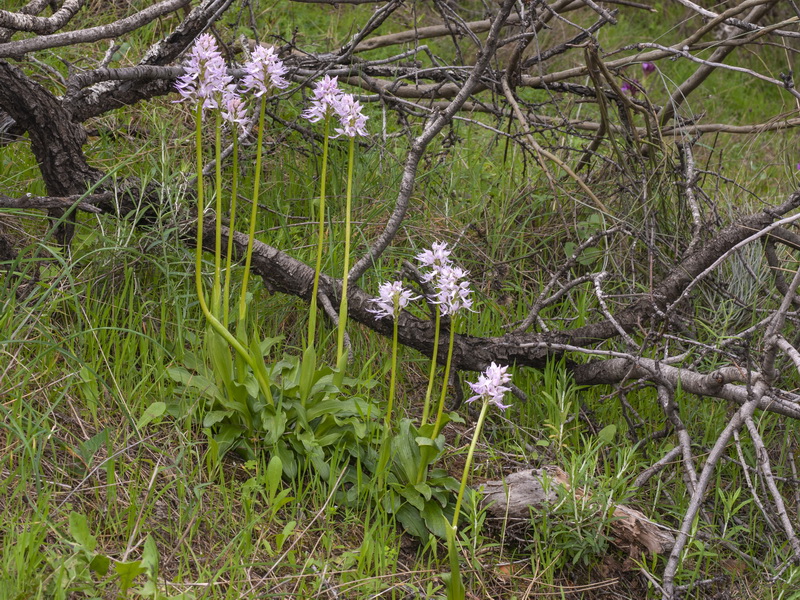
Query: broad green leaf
(268, 343)
(411, 520)
(425, 441)
(227, 437)
(150, 557)
(100, 564)
(127, 572)
(607, 433)
(196, 382)
(215, 416)
(434, 519)
(288, 460)
(87, 449)
(220, 354)
(413, 497)
(424, 489)
(307, 372)
(274, 475)
(155, 410)
(79, 529)
(406, 452)
(391, 502)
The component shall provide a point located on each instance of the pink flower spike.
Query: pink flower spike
(233, 109)
(326, 97)
(264, 70)
(648, 68)
(491, 386)
(436, 258)
(389, 293)
(206, 75)
(352, 119)
(452, 294)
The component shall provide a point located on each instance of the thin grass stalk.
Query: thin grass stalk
(312, 313)
(343, 303)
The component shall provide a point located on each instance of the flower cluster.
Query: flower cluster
(452, 291)
(264, 65)
(393, 298)
(328, 100)
(206, 79)
(435, 259)
(233, 109)
(205, 75)
(630, 87)
(491, 386)
(648, 68)
(326, 97)
(353, 121)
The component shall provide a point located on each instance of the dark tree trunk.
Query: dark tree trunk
(56, 142)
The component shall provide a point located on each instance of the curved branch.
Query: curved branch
(104, 97)
(22, 21)
(93, 34)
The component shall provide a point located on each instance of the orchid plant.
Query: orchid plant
(393, 298)
(323, 106)
(309, 412)
(353, 124)
(489, 389)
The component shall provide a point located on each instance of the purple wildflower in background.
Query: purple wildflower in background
(630, 87)
(233, 109)
(648, 68)
(206, 75)
(353, 121)
(264, 70)
(436, 258)
(326, 96)
(491, 386)
(389, 293)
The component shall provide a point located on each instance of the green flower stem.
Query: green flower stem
(312, 313)
(231, 229)
(253, 212)
(432, 374)
(212, 320)
(468, 464)
(216, 293)
(387, 422)
(440, 410)
(343, 303)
